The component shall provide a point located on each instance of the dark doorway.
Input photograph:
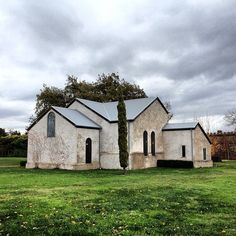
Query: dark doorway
(88, 152)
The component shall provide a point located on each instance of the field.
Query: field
(156, 201)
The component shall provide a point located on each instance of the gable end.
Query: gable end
(53, 109)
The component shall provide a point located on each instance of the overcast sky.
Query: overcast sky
(182, 51)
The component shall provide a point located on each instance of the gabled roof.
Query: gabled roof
(184, 126)
(76, 118)
(108, 110)
(180, 126)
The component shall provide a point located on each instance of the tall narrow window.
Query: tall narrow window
(145, 143)
(51, 125)
(183, 151)
(153, 148)
(204, 153)
(88, 151)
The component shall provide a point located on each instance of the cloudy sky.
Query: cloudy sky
(182, 51)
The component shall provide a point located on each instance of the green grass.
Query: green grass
(11, 161)
(156, 201)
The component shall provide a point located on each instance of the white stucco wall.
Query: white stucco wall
(173, 141)
(50, 152)
(152, 119)
(66, 150)
(200, 142)
(82, 135)
(109, 150)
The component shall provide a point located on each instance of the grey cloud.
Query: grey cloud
(50, 23)
(187, 41)
(5, 112)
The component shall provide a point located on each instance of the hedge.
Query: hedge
(174, 163)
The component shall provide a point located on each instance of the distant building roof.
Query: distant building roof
(108, 110)
(76, 118)
(180, 126)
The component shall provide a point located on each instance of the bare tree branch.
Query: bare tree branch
(230, 117)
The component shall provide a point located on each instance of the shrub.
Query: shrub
(174, 163)
(23, 163)
(216, 159)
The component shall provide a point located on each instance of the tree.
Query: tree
(107, 87)
(79, 89)
(104, 89)
(230, 118)
(13, 144)
(14, 132)
(122, 134)
(49, 96)
(2, 132)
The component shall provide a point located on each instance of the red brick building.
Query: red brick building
(223, 145)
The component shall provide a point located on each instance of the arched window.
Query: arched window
(153, 148)
(88, 151)
(145, 143)
(51, 125)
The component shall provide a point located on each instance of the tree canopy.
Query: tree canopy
(12, 143)
(104, 89)
(49, 96)
(2, 132)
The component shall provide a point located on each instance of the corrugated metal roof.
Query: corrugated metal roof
(109, 109)
(179, 126)
(76, 117)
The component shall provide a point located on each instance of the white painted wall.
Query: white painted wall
(200, 142)
(173, 141)
(66, 150)
(152, 119)
(50, 152)
(109, 150)
(82, 135)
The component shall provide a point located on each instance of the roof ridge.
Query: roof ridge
(108, 110)
(55, 108)
(86, 117)
(153, 98)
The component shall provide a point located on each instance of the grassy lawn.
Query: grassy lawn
(11, 161)
(156, 201)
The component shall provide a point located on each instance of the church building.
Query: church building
(85, 136)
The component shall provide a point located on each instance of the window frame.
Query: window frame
(153, 143)
(204, 154)
(51, 125)
(145, 143)
(88, 141)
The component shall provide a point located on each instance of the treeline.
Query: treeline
(13, 143)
